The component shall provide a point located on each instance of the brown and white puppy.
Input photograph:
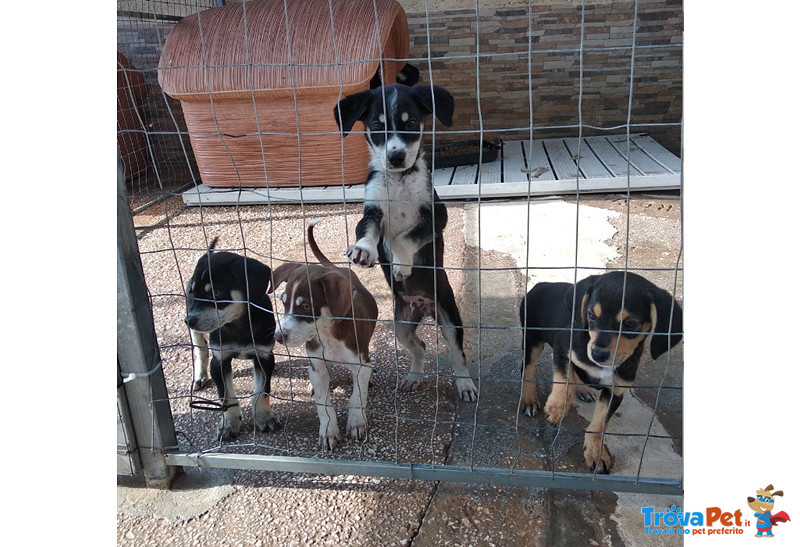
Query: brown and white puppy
(329, 310)
(598, 338)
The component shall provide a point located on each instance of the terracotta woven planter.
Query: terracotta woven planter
(245, 100)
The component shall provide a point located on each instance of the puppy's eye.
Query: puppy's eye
(377, 126)
(305, 306)
(590, 315)
(411, 124)
(630, 324)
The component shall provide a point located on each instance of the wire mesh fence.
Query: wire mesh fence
(526, 74)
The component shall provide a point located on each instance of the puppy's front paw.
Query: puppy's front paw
(362, 254)
(530, 405)
(585, 393)
(467, 390)
(596, 454)
(229, 428)
(410, 382)
(554, 408)
(357, 426)
(199, 384)
(401, 272)
(328, 438)
(266, 421)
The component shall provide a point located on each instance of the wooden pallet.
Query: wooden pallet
(536, 168)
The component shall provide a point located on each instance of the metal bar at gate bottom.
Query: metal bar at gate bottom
(448, 473)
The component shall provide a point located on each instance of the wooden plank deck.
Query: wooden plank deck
(607, 164)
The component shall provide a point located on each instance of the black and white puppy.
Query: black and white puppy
(226, 299)
(404, 218)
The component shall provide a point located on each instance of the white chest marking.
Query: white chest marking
(400, 198)
(602, 375)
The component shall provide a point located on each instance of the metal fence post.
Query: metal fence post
(138, 355)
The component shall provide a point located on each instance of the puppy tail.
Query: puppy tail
(313, 243)
(213, 244)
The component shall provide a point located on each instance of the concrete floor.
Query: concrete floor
(267, 508)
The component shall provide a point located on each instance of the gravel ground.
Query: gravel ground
(261, 508)
(169, 254)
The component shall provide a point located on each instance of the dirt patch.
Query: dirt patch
(649, 237)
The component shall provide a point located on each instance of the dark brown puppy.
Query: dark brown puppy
(591, 326)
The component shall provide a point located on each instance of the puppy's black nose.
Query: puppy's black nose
(397, 159)
(599, 355)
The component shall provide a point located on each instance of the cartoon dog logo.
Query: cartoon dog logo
(762, 504)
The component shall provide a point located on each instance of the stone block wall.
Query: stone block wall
(484, 62)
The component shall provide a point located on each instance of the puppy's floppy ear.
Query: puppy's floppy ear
(580, 292)
(281, 274)
(338, 294)
(257, 276)
(350, 110)
(443, 100)
(669, 322)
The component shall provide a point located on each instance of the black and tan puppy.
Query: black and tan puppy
(226, 300)
(590, 326)
(404, 219)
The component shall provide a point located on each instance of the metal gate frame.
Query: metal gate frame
(144, 415)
